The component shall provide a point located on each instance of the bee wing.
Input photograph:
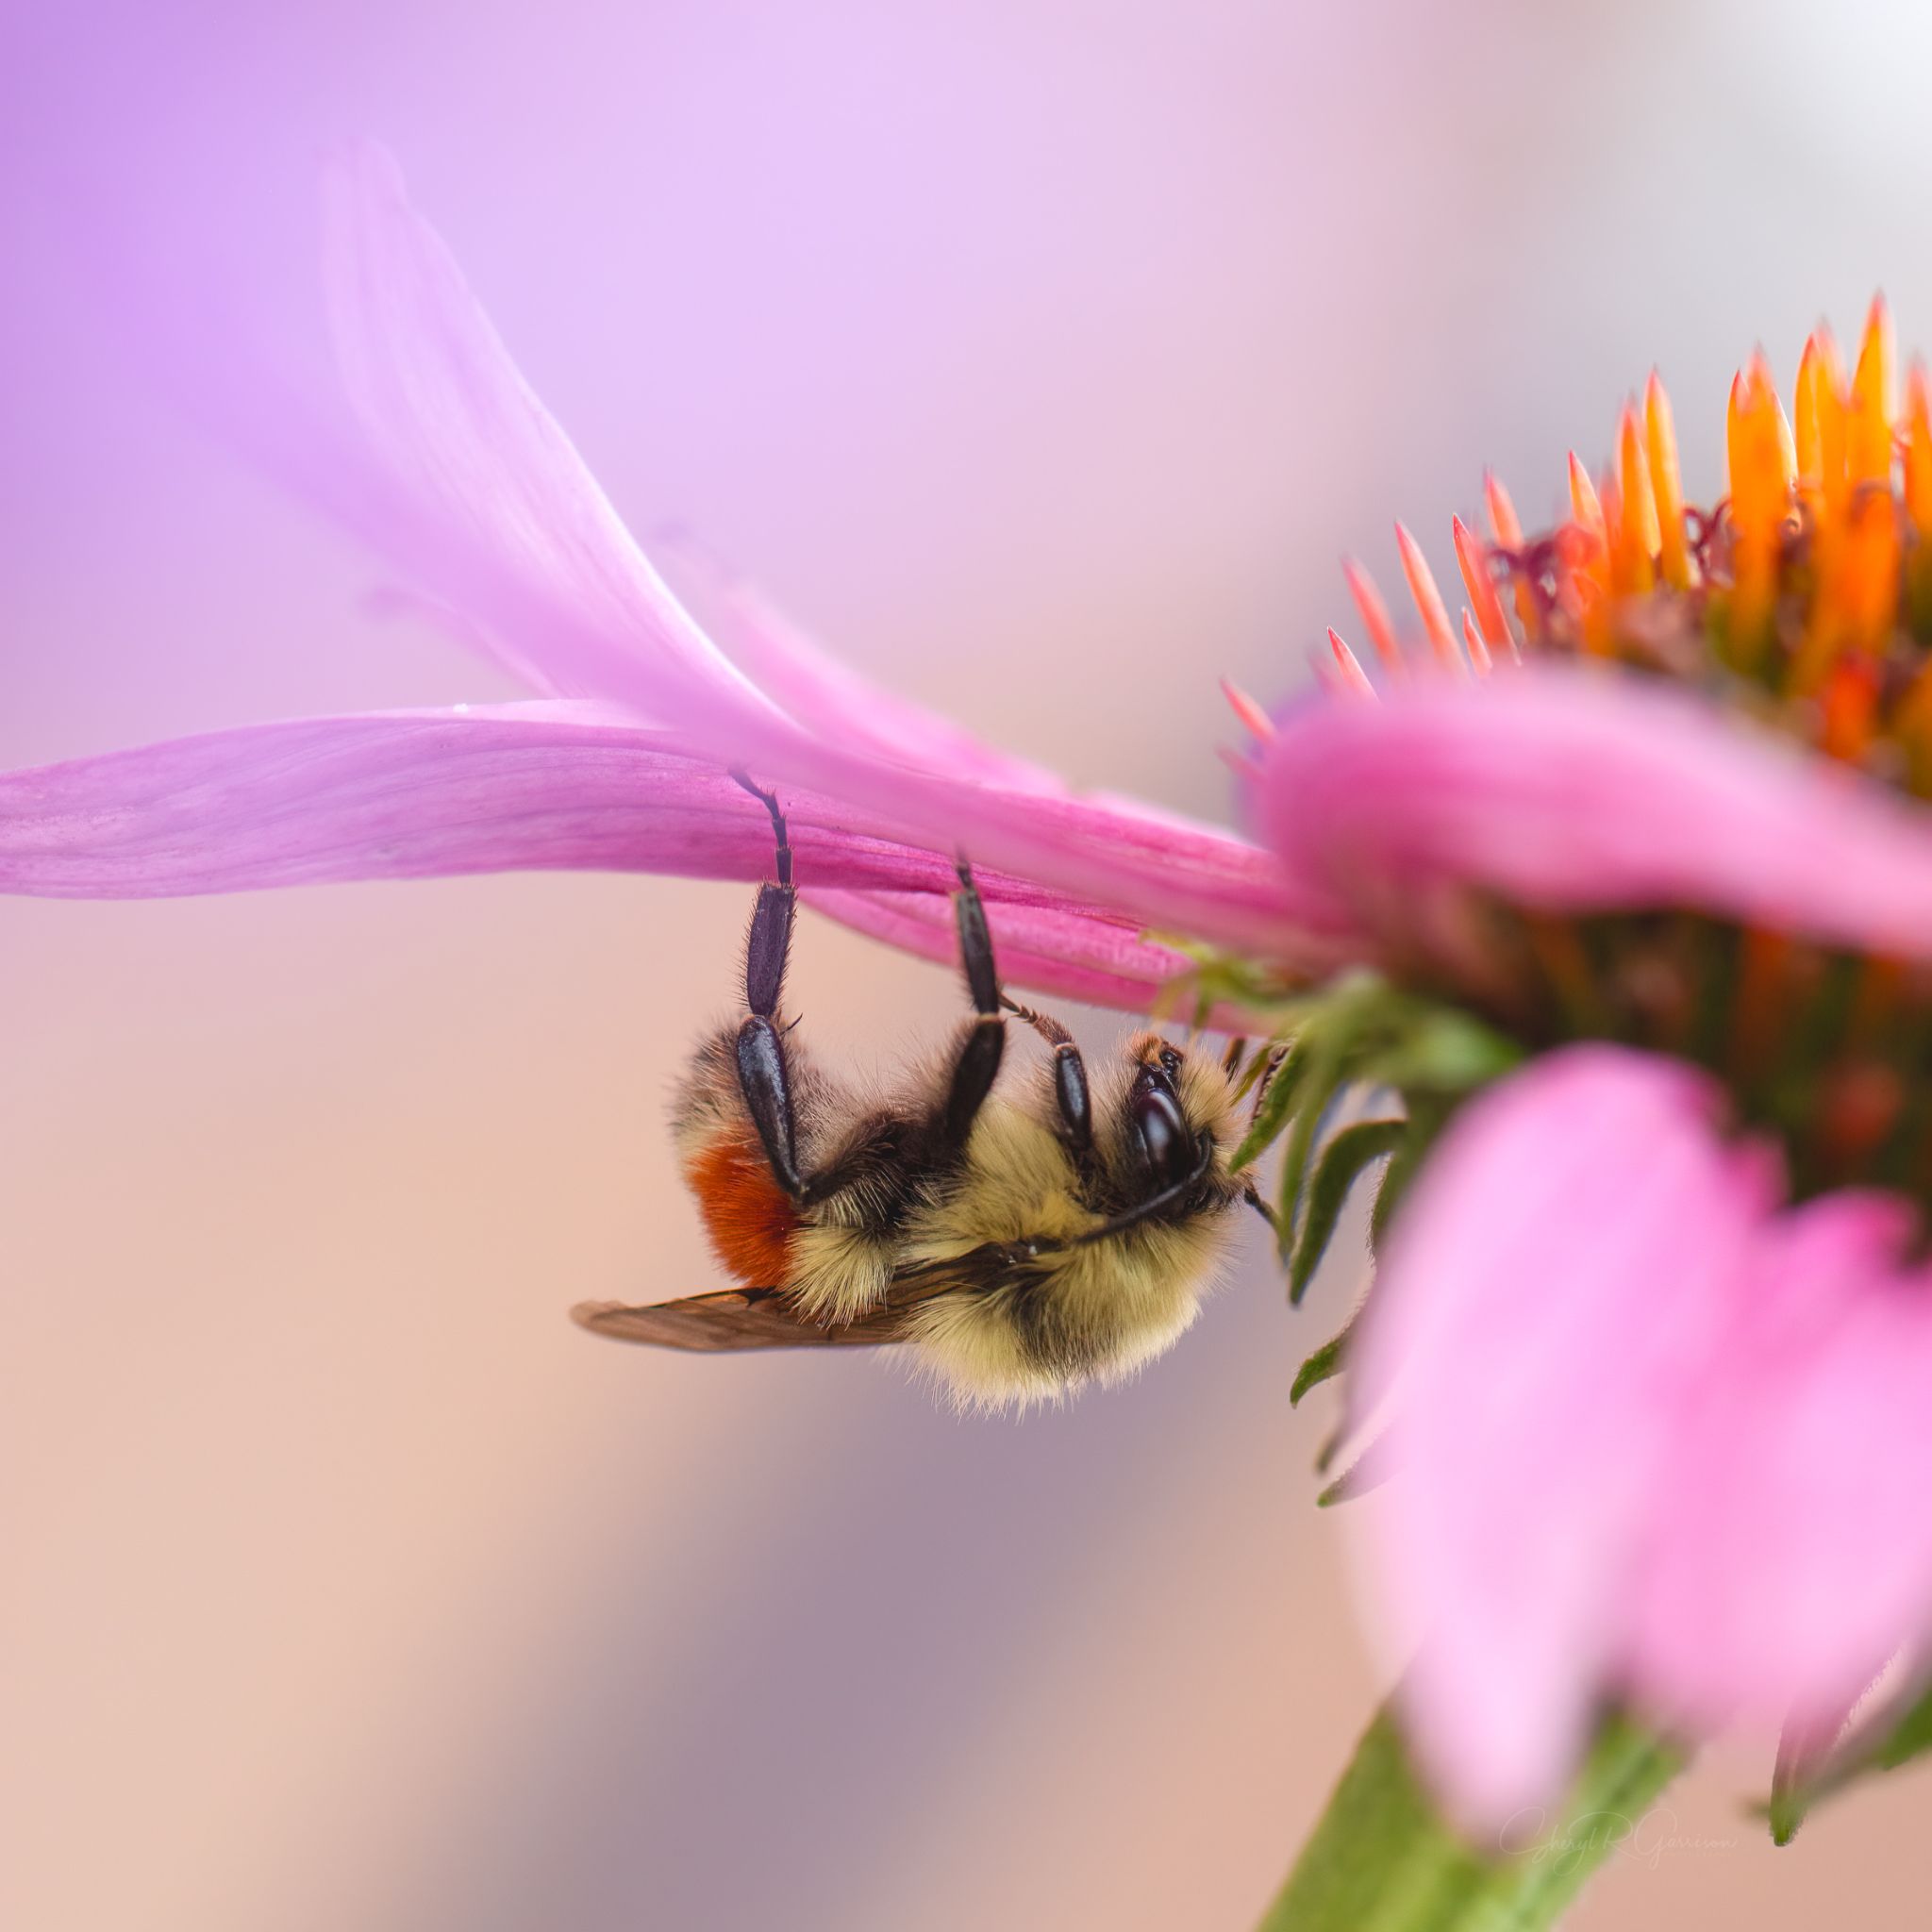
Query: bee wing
(735, 1317)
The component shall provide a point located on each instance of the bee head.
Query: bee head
(1175, 1121)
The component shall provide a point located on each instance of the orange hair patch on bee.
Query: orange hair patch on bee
(747, 1215)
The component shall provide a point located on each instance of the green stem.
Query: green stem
(1382, 1860)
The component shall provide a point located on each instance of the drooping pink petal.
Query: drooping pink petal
(506, 522)
(1585, 788)
(826, 696)
(509, 511)
(1070, 953)
(1658, 1436)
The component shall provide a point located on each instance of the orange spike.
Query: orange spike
(1428, 601)
(1367, 600)
(1584, 506)
(1244, 707)
(1354, 678)
(1734, 430)
(1759, 376)
(1814, 383)
(1667, 483)
(1867, 588)
(1919, 450)
(1868, 447)
(1760, 495)
(1507, 527)
(1849, 705)
(1473, 643)
(1638, 538)
(1474, 563)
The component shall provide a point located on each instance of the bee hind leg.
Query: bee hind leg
(762, 1076)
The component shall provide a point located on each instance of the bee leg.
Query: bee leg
(978, 1060)
(1069, 1077)
(1252, 1195)
(762, 1077)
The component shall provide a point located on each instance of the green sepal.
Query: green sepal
(1381, 1860)
(1322, 1078)
(1369, 1471)
(1427, 1119)
(1442, 1050)
(1276, 1104)
(1895, 1738)
(1342, 1163)
(1320, 1367)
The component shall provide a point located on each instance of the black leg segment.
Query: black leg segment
(978, 1063)
(975, 945)
(768, 1099)
(1068, 1076)
(767, 950)
(761, 1071)
(770, 802)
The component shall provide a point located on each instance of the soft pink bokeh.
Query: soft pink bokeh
(1043, 357)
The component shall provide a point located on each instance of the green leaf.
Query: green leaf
(1382, 1860)
(1341, 1166)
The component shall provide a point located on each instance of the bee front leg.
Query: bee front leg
(979, 1061)
(1069, 1078)
(762, 1076)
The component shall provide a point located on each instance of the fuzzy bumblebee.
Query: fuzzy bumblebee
(1022, 1237)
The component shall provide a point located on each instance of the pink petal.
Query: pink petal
(1557, 1292)
(556, 786)
(506, 524)
(1575, 789)
(514, 524)
(1655, 1435)
(1800, 1557)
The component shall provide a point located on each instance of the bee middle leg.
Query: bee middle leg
(762, 1076)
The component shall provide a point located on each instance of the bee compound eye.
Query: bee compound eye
(1161, 1129)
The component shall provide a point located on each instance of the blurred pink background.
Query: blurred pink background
(1043, 356)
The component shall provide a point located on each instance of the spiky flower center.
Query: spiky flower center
(1803, 596)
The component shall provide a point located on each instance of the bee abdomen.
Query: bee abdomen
(748, 1217)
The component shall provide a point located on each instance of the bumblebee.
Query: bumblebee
(1020, 1238)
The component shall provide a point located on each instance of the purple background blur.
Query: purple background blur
(1041, 356)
